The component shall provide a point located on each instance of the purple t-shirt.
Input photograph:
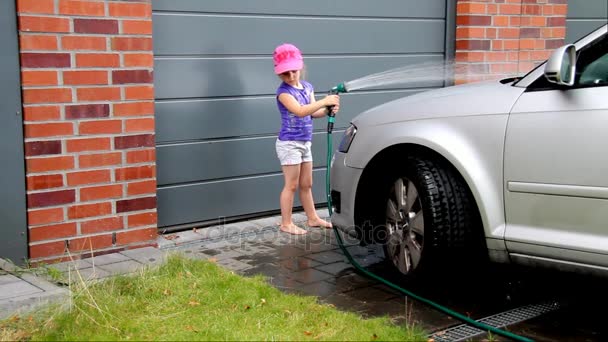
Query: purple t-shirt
(292, 126)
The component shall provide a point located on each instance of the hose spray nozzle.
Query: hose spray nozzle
(340, 88)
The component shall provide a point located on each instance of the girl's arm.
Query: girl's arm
(314, 108)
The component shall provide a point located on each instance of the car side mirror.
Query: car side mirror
(561, 65)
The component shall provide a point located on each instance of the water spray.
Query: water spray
(434, 71)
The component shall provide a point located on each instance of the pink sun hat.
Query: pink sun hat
(287, 57)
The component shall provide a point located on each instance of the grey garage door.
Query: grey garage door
(216, 116)
(585, 16)
(13, 226)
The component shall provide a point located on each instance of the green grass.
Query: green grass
(196, 300)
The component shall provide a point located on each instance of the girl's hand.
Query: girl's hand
(335, 108)
(331, 100)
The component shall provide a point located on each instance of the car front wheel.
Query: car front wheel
(430, 218)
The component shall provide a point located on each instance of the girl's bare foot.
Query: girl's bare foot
(319, 222)
(293, 229)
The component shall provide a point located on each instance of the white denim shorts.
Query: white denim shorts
(293, 152)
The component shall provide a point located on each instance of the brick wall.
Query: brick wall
(88, 98)
(501, 38)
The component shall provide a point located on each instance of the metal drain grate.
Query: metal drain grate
(464, 332)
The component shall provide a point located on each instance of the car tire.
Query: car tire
(430, 220)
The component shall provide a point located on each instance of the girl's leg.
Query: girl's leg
(306, 197)
(291, 174)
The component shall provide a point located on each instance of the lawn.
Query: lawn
(188, 299)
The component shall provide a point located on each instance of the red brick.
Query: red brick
(90, 243)
(51, 129)
(135, 204)
(44, 182)
(509, 9)
(131, 44)
(139, 93)
(51, 198)
(131, 76)
(89, 210)
(101, 159)
(85, 77)
(83, 43)
(39, 148)
(553, 43)
(87, 111)
(474, 20)
(137, 27)
(532, 9)
(81, 7)
(38, 78)
(133, 108)
(141, 156)
(471, 8)
(101, 225)
(139, 125)
(141, 188)
(508, 33)
(55, 231)
(100, 127)
(137, 235)
(530, 32)
(97, 60)
(41, 113)
(101, 192)
(500, 20)
(122, 9)
(560, 9)
(96, 26)
(98, 94)
(496, 56)
(47, 249)
(49, 164)
(556, 21)
(143, 219)
(88, 177)
(470, 32)
(91, 144)
(134, 141)
(473, 44)
(45, 60)
(135, 172)
(139, 60)
(43, 24)
(37, 42)
(44, 216)
(36, 6)
(49, 95)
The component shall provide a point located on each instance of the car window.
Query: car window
(591, 68)
(592, 64)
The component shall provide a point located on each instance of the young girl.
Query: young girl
(297, 105)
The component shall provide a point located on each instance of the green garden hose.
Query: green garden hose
(434, 305)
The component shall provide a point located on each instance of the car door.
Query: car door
(556, 166)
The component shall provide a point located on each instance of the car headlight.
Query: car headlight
(347, 139)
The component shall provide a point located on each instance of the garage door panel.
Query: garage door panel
(226, 159)
(214, 200)
(181, 121)
(584, 16)
(242, 35)
(206, 77)
(216, 116)
(364, 8)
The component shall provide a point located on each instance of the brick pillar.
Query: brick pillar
(88, 98)
(502, 38)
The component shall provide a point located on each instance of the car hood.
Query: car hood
(485, 98)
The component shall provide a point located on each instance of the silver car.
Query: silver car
(511, 171)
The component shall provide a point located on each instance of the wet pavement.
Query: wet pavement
(313, 264)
